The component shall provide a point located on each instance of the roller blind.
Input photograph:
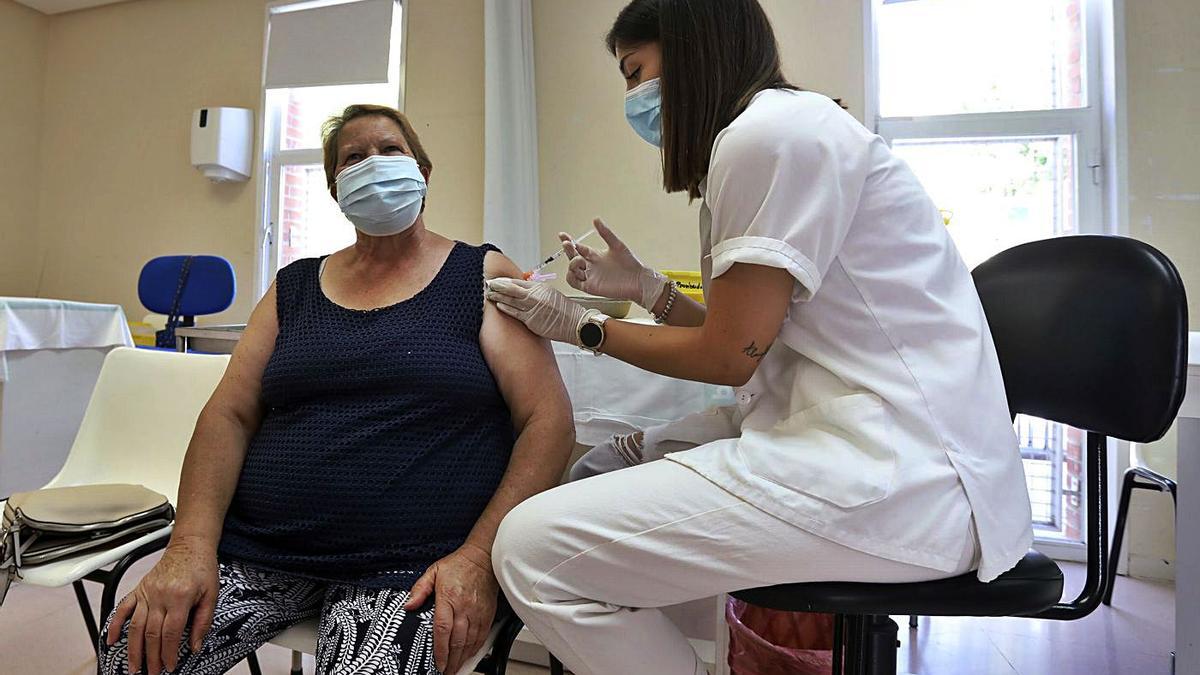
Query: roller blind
(344, 43)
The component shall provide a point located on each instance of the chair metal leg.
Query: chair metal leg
(1127, 485)
(856, 645)
(497, 661)
(297, 663)
(252, 664)
(838, 640)
(89, 619)
(881, 645)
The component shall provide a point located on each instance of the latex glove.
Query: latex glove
(615, 273)
(542, 309)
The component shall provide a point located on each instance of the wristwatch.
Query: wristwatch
(591, 331)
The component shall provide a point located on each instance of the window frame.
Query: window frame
(270, 160)
(1091, 126)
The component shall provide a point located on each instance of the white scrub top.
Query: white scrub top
(878, 419)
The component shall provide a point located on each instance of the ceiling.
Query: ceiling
(60, 6)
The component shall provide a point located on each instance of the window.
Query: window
(994, 104)
(302, 88)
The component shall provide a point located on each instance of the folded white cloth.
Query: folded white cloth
(37, 323)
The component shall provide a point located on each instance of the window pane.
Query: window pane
(946, 57)
(311, 223)
(309, 107)
(997, 193)
(1053, 457)
(1000, 192)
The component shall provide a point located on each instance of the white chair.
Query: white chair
(1155, 465)
(492, 658)
(136, 430)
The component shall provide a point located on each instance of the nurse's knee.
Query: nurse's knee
(524, 546)
(514, 538)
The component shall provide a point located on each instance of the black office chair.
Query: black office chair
(1136, 478)
(1091, 332)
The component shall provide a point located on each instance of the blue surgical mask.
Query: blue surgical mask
(382, 194)
(643, 109)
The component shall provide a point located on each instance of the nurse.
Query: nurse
(871, 440)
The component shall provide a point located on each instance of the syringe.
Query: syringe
(535, 274)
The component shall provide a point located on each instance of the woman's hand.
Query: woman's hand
(615, 273)
(545, 311)
(464, 590)
(182, 585)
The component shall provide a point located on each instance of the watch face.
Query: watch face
(591, 335)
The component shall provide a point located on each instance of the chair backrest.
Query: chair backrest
(1091, 331)
(140, 419)
(210, 286)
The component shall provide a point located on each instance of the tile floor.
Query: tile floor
(41, 633)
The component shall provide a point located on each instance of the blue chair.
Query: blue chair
(184, 287)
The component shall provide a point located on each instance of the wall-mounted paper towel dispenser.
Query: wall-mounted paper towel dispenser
(223, 143)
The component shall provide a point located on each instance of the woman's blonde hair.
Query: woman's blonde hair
(333, 126)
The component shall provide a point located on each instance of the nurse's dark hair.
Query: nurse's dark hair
(716, 55)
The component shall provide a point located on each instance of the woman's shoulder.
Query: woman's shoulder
(496, 264)
(297, 269)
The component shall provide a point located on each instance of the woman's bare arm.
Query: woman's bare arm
(527, 374)
(462, 584)
(183, 584)
(223, 431)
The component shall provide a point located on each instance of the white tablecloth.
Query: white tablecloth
(50, 356)
(35, 323)
(611, 396)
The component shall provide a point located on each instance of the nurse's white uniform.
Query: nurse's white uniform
(872, 444)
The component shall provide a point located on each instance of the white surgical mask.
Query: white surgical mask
(643, 109)
(382, 194)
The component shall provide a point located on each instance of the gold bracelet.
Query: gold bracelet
(662, 318)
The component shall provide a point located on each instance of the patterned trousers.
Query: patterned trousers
(362, 630)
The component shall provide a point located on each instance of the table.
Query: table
(50, 357)
(210, 339)
(1187, 532)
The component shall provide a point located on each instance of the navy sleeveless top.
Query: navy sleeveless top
(384, 435)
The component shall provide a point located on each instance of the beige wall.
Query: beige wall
(117, 184)
(444, 99)
(591, 162)
(1162, 58)
(117, 187)
(22, 79)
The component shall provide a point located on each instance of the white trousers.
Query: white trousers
(586, 564)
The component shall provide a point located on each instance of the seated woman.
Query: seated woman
(375, 424)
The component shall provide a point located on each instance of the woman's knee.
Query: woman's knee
(112, 657)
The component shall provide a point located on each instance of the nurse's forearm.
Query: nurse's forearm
(538, 460)
(680, 352)
(684, 310)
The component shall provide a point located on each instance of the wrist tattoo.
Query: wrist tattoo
(753, 351)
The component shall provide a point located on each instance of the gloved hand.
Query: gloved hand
(615, 273)
(542, 309)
